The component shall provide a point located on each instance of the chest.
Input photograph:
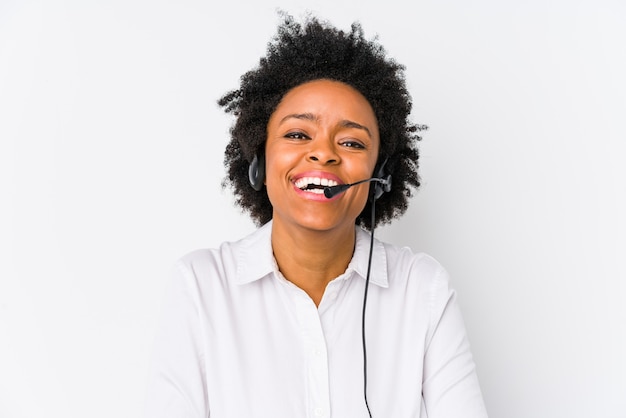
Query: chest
(269, 351)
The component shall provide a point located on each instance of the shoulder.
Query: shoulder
(417, 275)
(233, 262)
(403, 262)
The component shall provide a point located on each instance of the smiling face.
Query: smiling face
(322, 133)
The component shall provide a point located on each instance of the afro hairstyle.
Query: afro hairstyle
(322, 51)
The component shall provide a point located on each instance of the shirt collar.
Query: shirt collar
(378, 274)
(255, 258)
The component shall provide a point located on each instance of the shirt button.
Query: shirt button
(319, 412)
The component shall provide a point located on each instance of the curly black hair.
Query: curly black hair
(311, 51)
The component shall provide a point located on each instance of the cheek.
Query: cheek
(273, 163)
(361, 198)
(361, 169)
(275, 175)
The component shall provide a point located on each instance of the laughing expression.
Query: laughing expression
(323, 133)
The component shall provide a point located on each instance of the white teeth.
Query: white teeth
(303, 182)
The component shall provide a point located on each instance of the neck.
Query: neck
(310, 259)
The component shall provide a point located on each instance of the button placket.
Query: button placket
(316, 357)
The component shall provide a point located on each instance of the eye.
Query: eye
(353, 144)
(298, 135)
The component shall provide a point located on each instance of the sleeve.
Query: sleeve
(450, 386)
(177, 383)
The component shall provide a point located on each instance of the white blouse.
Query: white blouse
(238, 340)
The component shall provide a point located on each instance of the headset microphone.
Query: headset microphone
(332, 191)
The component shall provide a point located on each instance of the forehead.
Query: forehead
(328, 98)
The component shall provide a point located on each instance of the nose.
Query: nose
(323, 151)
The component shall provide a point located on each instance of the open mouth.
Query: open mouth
(314, 184)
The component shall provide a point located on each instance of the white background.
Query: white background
(111, 164)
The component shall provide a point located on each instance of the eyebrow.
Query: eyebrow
(311, 117)
(351, 124)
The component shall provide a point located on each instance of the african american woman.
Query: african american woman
(310, 315)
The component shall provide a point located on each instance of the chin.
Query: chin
(318, 223)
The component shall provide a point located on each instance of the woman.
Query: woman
(276, 325)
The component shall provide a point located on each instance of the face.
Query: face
(322, 133)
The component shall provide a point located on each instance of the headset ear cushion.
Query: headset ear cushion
(387, 185)
(256, 173)
(380, 188)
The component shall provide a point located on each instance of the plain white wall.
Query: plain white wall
(111, 162)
